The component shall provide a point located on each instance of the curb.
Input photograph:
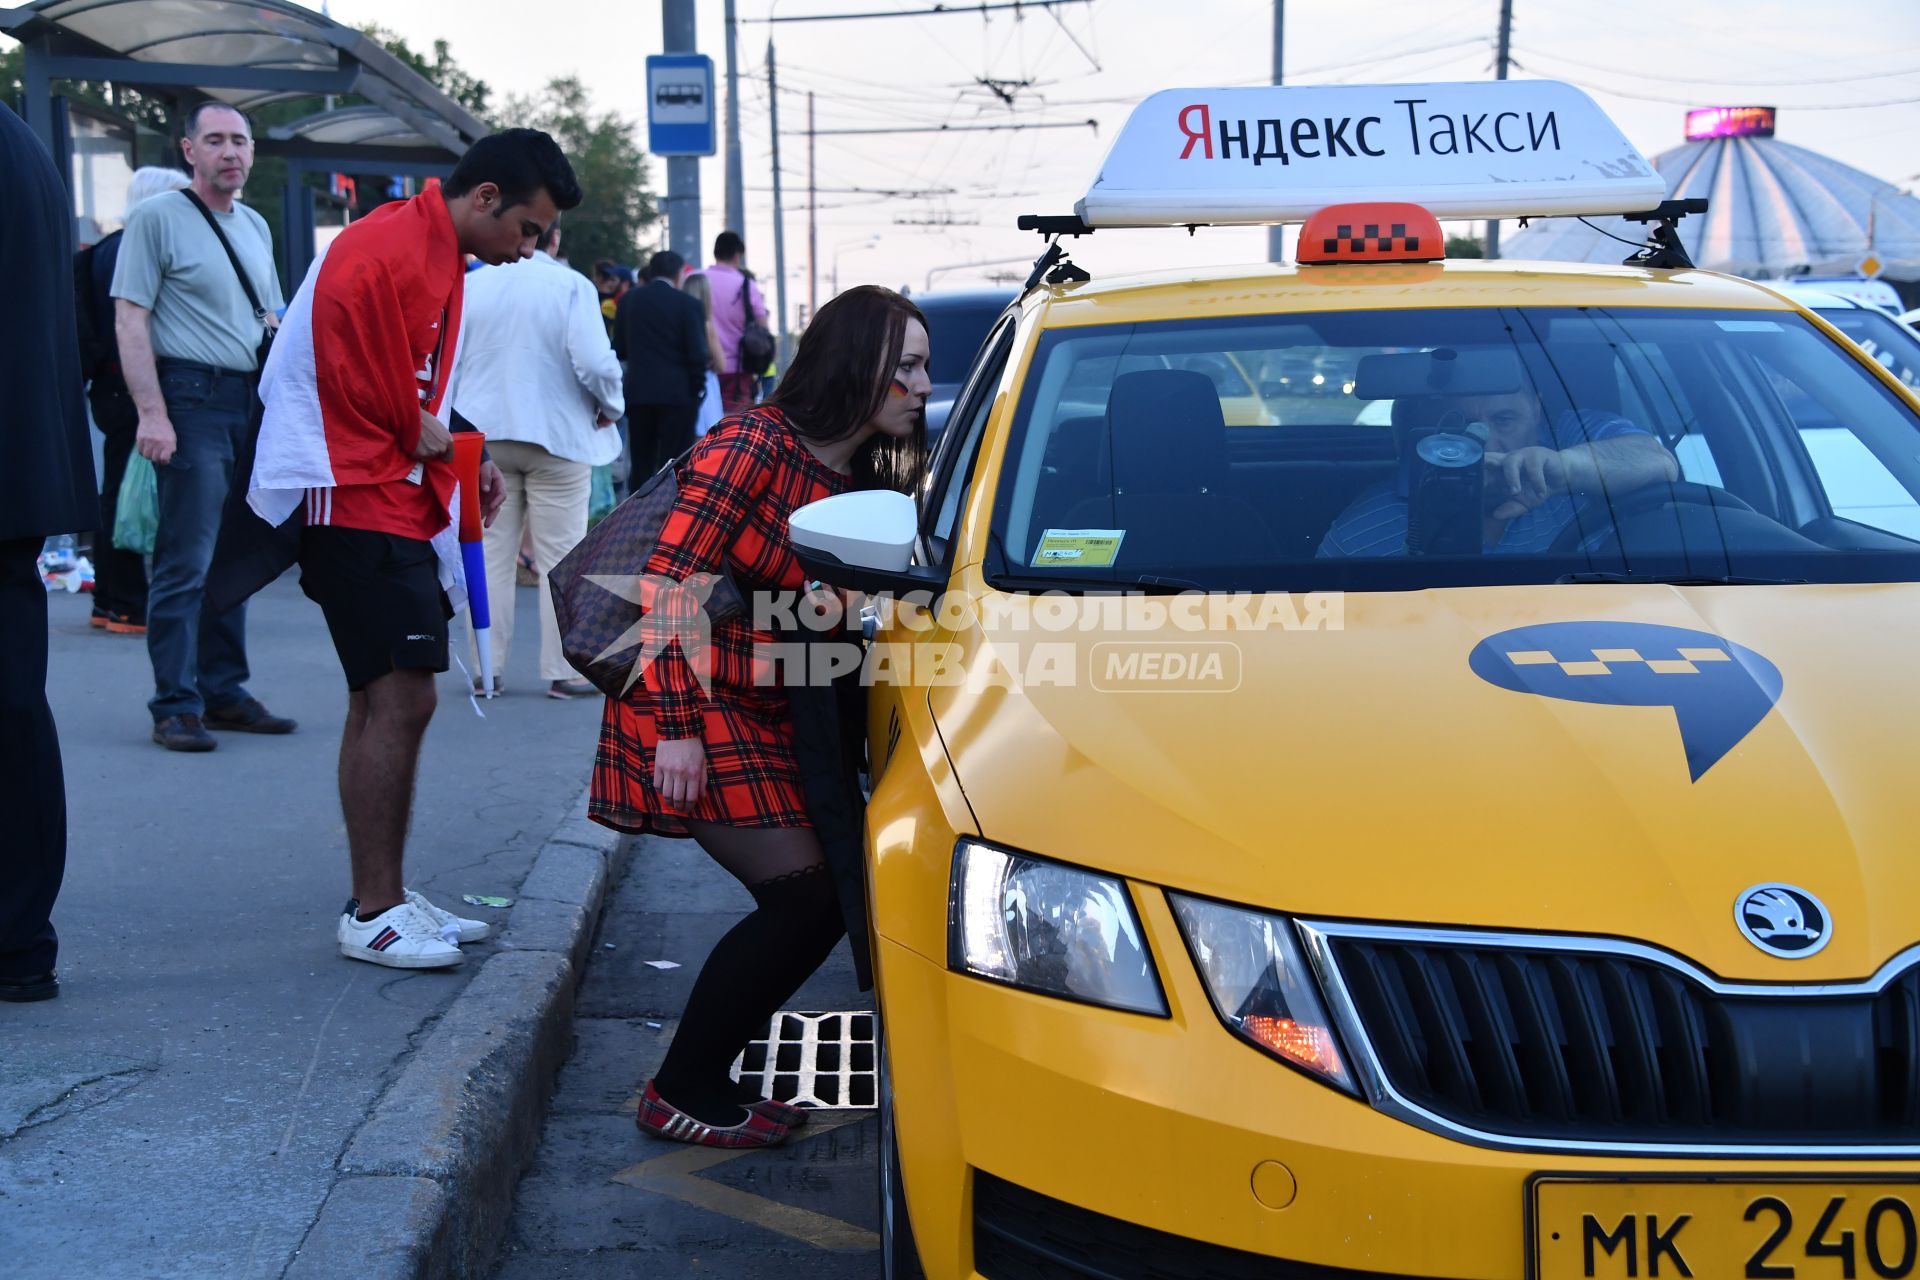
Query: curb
(426, 1184)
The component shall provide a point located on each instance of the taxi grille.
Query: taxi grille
(1614, 1048)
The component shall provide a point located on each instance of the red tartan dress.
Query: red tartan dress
(743, 480)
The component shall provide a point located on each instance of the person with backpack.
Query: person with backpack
(120, 577)
(740, 319)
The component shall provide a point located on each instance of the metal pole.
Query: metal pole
(36, 102)
(683, 172)
(1276, 236)
(736, 183)
(779, 209)
(1500, 73)
(813, 222)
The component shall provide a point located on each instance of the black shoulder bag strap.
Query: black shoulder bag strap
(253, 299)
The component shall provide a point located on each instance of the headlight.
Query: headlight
(1258, 980)
(1049, 928)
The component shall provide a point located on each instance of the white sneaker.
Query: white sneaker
(452, 927)
(401, 937)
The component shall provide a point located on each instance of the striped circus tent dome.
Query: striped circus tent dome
(1774, 210)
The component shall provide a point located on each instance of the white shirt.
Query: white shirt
(535, 362)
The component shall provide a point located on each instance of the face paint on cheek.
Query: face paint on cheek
(897, 388)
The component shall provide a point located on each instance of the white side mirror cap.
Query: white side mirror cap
(870, 529)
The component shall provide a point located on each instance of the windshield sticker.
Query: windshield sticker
(1749, 326)
(1081, 548)
(1719, 690)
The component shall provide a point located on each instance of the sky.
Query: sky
(1845, 75)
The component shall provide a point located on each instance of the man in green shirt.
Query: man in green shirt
(189, 339)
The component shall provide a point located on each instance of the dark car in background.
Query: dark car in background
(957, 323)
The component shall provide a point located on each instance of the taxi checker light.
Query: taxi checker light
(1257, 978)
(1281, 153)
(1380, 231)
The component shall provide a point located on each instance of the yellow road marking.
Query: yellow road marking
(673, 1176)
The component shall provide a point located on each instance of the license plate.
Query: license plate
(1761, 1227)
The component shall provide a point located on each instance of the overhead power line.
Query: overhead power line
(968, 128)
(1696, 102)
(938, 10)
(1711, 80)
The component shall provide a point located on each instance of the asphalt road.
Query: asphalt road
(604, 1200)
(179, 1110)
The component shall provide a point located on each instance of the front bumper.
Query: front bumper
(1176, 1127)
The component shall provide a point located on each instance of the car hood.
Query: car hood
(1511, 757)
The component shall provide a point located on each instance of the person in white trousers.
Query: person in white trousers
(539, 377)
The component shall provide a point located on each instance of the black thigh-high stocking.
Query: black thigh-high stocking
(756, 967)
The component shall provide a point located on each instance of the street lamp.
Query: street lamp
(866, 242)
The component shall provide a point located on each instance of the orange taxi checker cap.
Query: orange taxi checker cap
(1374, 231)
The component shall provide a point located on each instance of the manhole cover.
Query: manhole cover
(823, 1060)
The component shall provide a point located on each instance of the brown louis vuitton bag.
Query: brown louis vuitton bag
(592, 616)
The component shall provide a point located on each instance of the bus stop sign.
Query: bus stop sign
(680, 104)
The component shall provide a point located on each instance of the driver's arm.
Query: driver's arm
(1619, 464)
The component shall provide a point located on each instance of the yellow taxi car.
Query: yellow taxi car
(1480, 848)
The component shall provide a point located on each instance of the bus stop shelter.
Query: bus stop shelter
(250, 53)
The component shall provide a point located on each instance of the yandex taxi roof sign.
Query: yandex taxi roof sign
(1481, 149)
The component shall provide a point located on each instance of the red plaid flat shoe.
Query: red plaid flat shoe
(781, 1113)
(662, 1119)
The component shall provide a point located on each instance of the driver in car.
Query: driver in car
(1538, 473)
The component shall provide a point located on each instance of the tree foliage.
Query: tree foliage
(442, 72)
(604, 149)
(1465, 247)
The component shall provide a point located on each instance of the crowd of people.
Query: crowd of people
(318, 432)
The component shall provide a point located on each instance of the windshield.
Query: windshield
(1880, 336)
(1425, 448)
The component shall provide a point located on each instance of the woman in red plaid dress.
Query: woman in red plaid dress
(718, 764)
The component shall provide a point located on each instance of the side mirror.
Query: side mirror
(862, 541)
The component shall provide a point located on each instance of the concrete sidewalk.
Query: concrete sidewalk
(214, 1070)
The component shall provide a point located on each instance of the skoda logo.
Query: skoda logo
(1783, 920)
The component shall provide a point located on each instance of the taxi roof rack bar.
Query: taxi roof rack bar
(1054, 224)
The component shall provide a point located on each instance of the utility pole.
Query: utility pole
(736, 182)
(1500, 73)
(813, 223)
(1276, 236)
(779, 209)
(683, 172)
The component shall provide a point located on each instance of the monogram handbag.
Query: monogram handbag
(598, 621)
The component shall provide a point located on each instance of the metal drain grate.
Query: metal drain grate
(823, 1060)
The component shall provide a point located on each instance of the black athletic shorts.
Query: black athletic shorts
(381, 595)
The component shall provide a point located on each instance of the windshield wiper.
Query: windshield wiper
(1678, 579)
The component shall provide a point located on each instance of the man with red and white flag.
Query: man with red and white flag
(359, 374)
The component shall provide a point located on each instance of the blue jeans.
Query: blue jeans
(199, 658)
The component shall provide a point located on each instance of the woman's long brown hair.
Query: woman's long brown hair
(835, 385)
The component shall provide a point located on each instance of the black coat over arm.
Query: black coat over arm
(46, 479)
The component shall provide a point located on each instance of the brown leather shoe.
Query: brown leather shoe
(248, 717)
(183, 733)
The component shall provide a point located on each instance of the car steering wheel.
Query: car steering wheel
(1640, 501)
